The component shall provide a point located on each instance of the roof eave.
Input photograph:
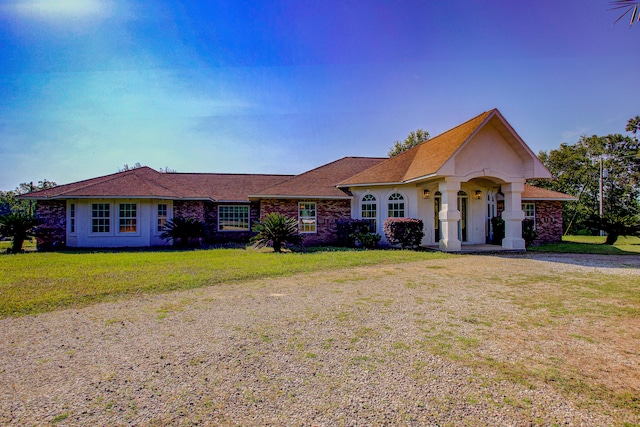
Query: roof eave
(551, 199)
(369, 184)
(299, 196)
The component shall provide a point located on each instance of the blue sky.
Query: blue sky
(284, 86)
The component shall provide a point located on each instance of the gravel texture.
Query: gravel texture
(387, 345)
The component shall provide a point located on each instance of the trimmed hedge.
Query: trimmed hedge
(408, 232)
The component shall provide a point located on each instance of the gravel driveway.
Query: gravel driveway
(367, 346)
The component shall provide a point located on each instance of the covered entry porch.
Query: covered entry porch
(458, 214)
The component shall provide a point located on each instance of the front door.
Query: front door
(491, 212)
(462, 224)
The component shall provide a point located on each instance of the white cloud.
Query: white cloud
(57, 9)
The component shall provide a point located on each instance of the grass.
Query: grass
(591, 245)
(39, 282)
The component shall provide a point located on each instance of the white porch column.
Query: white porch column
(449, 215)
(513, 216)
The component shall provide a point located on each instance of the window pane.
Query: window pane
(307, 217)
(162, 216)
(100, 218)
(128, 218)
(233, 218)
(72, 218)
(396, 206)
(369, 211)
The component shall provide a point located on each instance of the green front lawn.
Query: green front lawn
(591, 245)
(38, 282)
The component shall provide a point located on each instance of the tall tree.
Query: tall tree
(9, 201)
(576, 169)
(414, 138)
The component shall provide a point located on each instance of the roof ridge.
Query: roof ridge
(100, 179)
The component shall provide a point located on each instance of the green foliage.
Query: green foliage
(45, 281)
(368, 240)
(9, 201)
(414, 138)
(18, 226)
(616, 226)
(408, 232)
(498, 230)
(577, 171)
(348, 229)
(183, 231)
(529, 233)
(276, 229)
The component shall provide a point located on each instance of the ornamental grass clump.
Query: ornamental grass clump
(276, 230)
(407, 232)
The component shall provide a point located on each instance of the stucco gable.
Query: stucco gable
(439, 155)
(494, 149)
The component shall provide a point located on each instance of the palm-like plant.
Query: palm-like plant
(19, 226)
(277, 229)
(630, 6)
(182, 230)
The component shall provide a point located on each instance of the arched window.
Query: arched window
(396, 205)
(369, 211)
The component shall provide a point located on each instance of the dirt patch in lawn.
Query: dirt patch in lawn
(468, 340)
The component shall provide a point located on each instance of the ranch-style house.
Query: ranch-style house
(455, 183)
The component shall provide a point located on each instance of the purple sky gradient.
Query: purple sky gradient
(284, 86)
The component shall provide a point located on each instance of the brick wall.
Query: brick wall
(548, 221)
(189, 209)
(328, 212)
(215, 236)
(52, 231)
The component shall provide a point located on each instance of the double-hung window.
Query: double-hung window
(307, 217)
(369, 211)
(128, 218)
(396, 206)
(162, 217)
(233, 218)
(100, 218)
(72, 218)
(529, 210)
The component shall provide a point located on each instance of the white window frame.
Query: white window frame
(109, 217)
(130, 220)
(525, 210)
(371, 203)
(305, 222)
(164, 218)
(234, 209)
(403, 200)
(72, 219)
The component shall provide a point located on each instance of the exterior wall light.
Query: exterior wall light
(478, 194)
(426, 193)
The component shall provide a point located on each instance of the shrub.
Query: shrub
(18, 226)
(498, 230)
(347, 231)
(183, 231)
(368, 240)
(408, 232)
(529, 234)
(277, 229)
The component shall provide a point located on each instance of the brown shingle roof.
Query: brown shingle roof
(536, 193)
(147, 183)
(425, 159)
(321, 182)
